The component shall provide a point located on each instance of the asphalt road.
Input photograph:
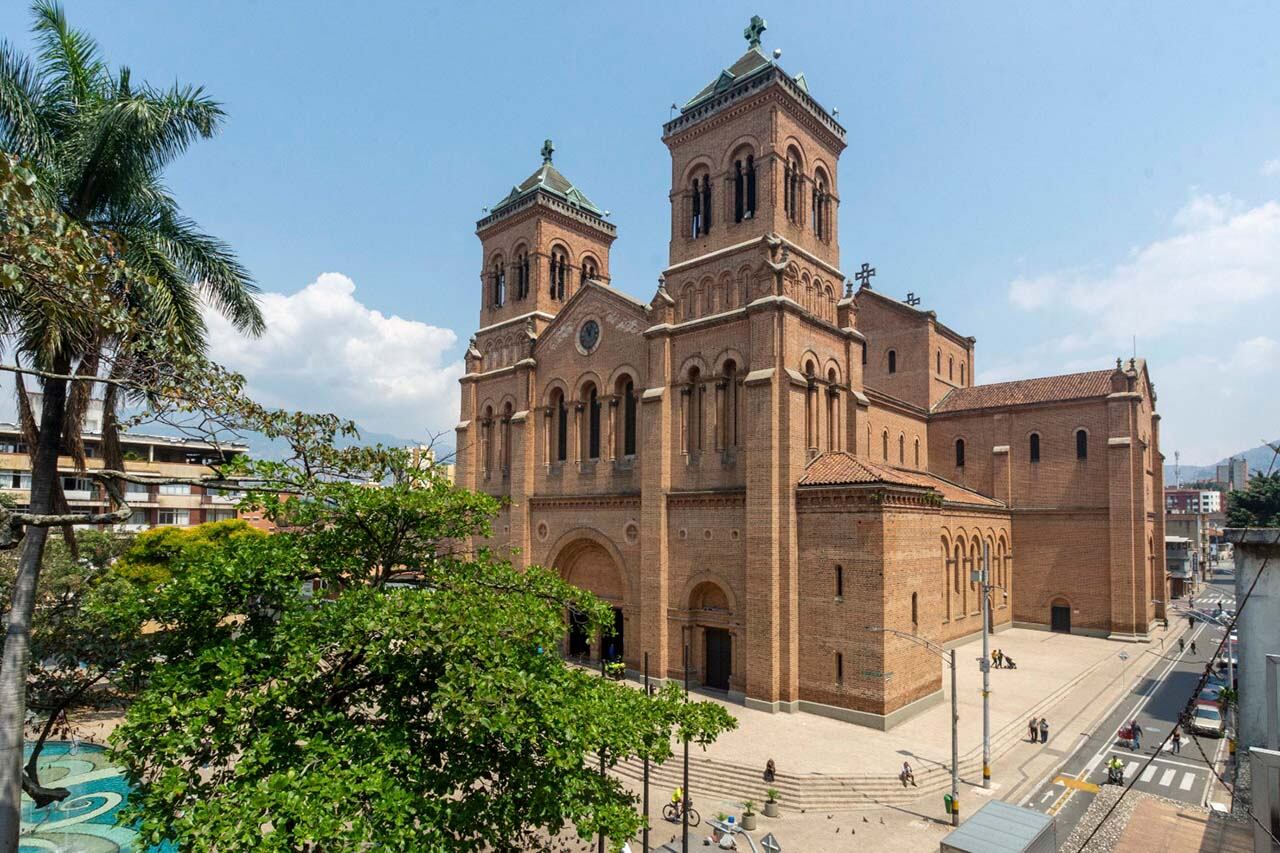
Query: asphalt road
(1155, 703)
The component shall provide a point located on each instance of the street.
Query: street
(1156, 703)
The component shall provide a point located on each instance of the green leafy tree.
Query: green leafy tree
(102, 276)
(419, 704)
(152, 553)
(1258, 505)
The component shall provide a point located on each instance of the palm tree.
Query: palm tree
(99, 143)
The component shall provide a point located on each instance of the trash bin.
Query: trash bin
(948, 803)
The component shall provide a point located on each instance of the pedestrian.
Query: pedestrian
(770, 770)
(1182, 645)
(1034, 729)
(1193, 647)
(995, 658)
(1177, 740)
(906, 775)
(1137, 734)
(1044, 730)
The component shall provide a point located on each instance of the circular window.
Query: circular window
(683, 533)
(733, 534)
(589, 336)
(706, 534)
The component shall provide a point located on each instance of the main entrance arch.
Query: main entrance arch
(589, 561)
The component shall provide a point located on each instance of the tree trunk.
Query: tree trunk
(13, 668)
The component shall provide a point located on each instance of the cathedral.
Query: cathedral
(765, 462)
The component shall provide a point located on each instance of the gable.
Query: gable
(619, 316)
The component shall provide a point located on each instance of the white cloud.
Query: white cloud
(1224, 258)
(324, 350)
(1271, 168)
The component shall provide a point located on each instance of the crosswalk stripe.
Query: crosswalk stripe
(1131, 768)
(1187, 780)
(1148, 773)
(1167, 778)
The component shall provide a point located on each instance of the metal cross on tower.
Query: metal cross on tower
(547, 150)
(864, 275)
(754, 30)
(912, 299)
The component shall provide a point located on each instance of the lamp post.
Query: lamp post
(949, 658)
(981, 575)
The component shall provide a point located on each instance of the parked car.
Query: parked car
(1207, 719)
(1210, 694)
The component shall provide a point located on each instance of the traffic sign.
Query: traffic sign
(770, 844)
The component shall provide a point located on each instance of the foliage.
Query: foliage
(771, 795)
(748, 807)
(431, 713)
(1258, 505)
(154, 552)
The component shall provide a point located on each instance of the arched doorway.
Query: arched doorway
(588, 565)
(710, 610)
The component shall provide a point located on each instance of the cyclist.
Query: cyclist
(1115, 770)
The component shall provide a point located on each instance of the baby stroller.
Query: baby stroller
(1008, 662)
(1126, 736)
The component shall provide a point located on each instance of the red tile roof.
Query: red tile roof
(845, 469)
(1072, 386)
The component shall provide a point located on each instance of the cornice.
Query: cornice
(618, 499)
(707, 497)
(548, 205)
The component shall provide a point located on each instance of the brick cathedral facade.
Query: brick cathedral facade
(760, 462)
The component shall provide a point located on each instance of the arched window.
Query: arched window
(884, 445)
(729, 401)
(739, 191)
(902, 449)
(959, 452)
(938, 358)
(915, 610)
(893, 361)
(1082, 444)
(839, 668)
(1035, 447)
(522, 274)
(791, 188)
(592, 400)
(810, 416)
(588, 269)
(750, 174)
(839, 581)
(499, 278)
(706, 204)
(700, 200)
(487, 438)
(821, 207)
(693, 418)
(559, 272)
(833, 410)
(917, 465)
(560, 412)
(506, 439)
(951, 368)
(962, 373)
(946, 579)
(627, 391)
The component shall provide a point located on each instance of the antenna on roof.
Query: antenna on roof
(673, 110)
(835, 112)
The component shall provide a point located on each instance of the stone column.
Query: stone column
(1257, 624)
(654, 443)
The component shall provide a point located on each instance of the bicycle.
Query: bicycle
(671, 812)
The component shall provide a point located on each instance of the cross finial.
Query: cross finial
(547, 150)
(754, 30)
(864, 275)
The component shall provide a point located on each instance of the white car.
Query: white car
(1207, 719)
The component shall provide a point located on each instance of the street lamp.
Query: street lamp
(949, 658)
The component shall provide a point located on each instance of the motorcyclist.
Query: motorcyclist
(1115, 771)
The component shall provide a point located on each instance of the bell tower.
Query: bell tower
(753, 154)
(539, 244)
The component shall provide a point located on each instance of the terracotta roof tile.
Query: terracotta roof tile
(845, 469)
(1072, 386)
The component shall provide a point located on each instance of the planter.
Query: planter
(749, 821)
(770, 808)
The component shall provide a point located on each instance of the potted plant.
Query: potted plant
(771, 802)
(748, 815)
(716, 832)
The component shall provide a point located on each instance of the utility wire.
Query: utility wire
(1204, 677)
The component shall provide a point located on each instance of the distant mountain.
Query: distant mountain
(261, 447)
(1258, 459)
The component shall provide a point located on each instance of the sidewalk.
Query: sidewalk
(828, 764)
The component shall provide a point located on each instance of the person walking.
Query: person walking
(995, 658)
(1177, 740)
(1044, 730)
(1193, 647)
(1034, 729)
(1137, 735)
(906, 775)
(1182, 645)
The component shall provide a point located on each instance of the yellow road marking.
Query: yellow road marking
(1072, 782)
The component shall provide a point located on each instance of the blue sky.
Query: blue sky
(1051, 178)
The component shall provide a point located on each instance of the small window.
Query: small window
(839, 581)
(1082, 444)
(1035, 447)
(893, 362)
(959, 452)
(839, 668)
(938, 362)
(962, 373)
(915, 610)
